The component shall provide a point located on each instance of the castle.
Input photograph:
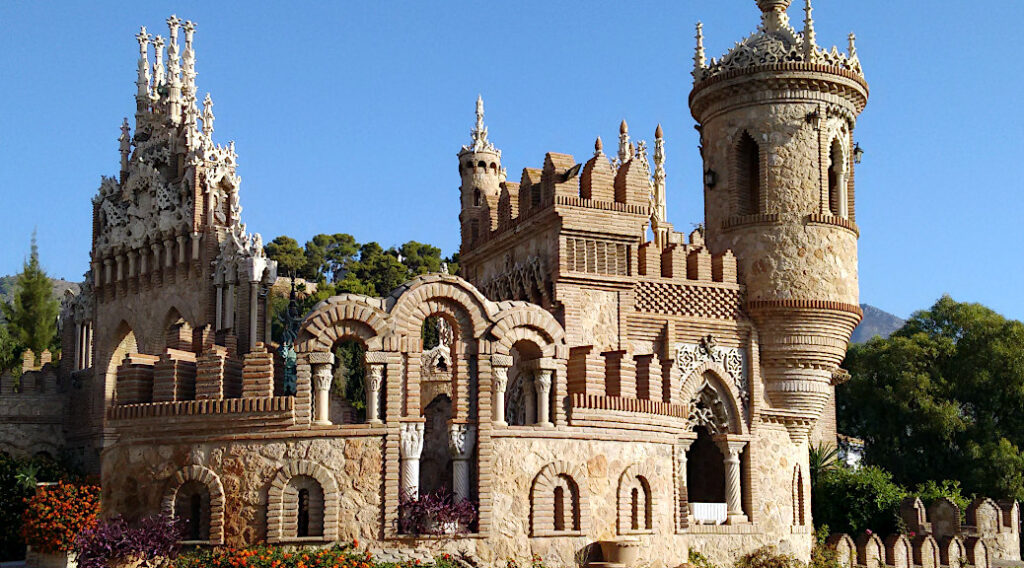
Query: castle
(600, 376)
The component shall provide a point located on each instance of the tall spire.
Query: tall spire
(173, 71)
(479, 132)
(188, 72)
(658, 213)
(809, 37)
(124, 145)
(142, 82)
(773, 14)
(625, 153)
(158, 65)
(699, 58)
(852, 52)
(208, 116)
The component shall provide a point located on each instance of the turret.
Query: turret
(482, 175)
(776, 116)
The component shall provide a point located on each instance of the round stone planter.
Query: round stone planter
(625, 551)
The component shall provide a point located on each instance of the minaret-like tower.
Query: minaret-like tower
(482, 174)
(776, 116)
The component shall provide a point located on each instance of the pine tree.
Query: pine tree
(32, 315)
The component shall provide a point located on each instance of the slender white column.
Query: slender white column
(219, 319)
(461, 440)
(411, 447)
(254, 298)
(543, 383)
(733, 485)
(499, 366)
(322, 364)
(374, 378)
(681, 484)
(80, 346)
(229, 307)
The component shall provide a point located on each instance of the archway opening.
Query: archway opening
(748, 176)
(192, 504)
(837, 180)
(521, 392)
(348, 388)
(705, 470)
(435, 460)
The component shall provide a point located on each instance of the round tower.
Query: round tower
(481, 173)
(776, 116)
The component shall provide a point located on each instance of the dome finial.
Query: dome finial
(598, 146)
(773, 14)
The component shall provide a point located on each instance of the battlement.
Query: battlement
(939, 536)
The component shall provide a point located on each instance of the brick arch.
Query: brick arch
(516, 323)
(542, 505)
(870, 551)
(340, 316)
(640, 477)
(434, 293)
(212, 482)
(952, 551)
(977, 552)
(723, 384)
(276, 499)
(926, 551)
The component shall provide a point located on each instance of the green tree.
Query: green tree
(32, 315)
(9, 350)
(854, 500)
(941, 398)
(329, 256)
(420, 258)
(290, 257)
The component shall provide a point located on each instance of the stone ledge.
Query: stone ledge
(833, 221)
(201, 407)
(737, 221)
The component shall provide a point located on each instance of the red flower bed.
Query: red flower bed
(57, 513)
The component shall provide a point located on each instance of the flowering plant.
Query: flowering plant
(343, 556)
(434, 513)
(57, 513)
(114, 541)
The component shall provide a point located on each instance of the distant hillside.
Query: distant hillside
(7, 284)
(875, 322)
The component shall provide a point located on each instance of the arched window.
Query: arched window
(837, 180)
(303, 522)
(798, 497)
(748, 176)
(482, 165)
(304, 505)
(494, 168)
(634, 502)
(559, 508)
(705, 470)
(193, 505)
(476, 197)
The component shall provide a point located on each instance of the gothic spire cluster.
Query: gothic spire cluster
(775, 41)
(480, 142)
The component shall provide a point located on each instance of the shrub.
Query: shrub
(768, 557)
(113, 541)
(342, 556)
(434, 513)
(699, 560)
(55, 516)
(931, 490)
(17, 484)
(854, 500)
(824, 557)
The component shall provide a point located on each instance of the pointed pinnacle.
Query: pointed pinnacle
(657, 132)
(598, 145)
(623, 128)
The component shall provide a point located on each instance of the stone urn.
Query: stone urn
(622, 551)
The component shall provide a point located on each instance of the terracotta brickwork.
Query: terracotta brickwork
(600, 377)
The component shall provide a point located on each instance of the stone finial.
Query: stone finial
(598, 147)
(623, 127)
(208, 116)
(173, 70)
(699, 57)
(658, 212)
(158, 64)
(125, 144)
(773, 14)
(809, 37)
(625, 152)
(143, 80)
(852, 50)
(479, 133)
(189, 64)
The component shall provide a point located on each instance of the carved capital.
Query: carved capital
(374, 376)
(543, 381)
(461, 439)
(322, 376)
(731, 449)
(412, 440)
(500, 379)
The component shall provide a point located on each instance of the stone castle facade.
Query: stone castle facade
(600, 377)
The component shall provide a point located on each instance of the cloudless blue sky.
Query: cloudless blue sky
(347, 117)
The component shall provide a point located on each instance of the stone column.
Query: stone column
(321, 364)
(411, 447)
(181, 248)
(154, 276)
(733, 485)
(461, 439)
(543, 387)
(499, 366)
(682, 486)
(79, 347)
(374, 378)
(254, 298)
(229, 306)
(218, 321)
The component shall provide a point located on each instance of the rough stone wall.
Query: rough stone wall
(31, 419)
(137, 477)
